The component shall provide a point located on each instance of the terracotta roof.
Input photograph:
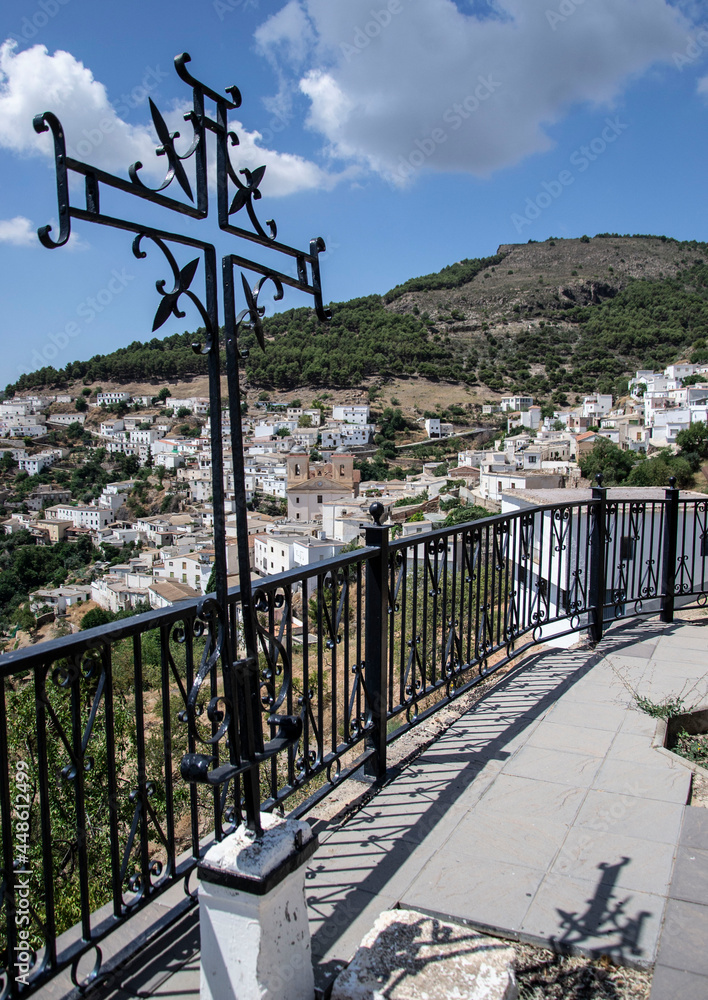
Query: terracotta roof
(173, 592)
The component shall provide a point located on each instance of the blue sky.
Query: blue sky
(407, 133)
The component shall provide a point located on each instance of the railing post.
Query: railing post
(376, 643)
(668, 559)
(598, 582)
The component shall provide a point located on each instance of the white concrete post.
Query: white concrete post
(255, 937)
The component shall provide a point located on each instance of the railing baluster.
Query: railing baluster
(112, 779)
(140, 749)
(40, 697)
(668, 580)
(375, 653)
(598, 584)
(167, 748)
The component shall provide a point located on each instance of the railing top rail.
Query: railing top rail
(71, 645)
(54, 649)
(22, 659)
(414, 540)
(314, 569)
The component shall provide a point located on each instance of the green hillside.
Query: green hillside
(543, 318)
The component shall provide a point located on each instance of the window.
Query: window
(341, 470)
(297, 516)
(297, 469)
(319, 498)
(297, 500)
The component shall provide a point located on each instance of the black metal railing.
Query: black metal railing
(96, 820)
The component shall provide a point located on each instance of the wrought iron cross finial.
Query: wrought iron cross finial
(236, 190)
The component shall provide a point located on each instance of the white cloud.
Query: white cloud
(18, 231)
(286, 173)
(287, 34)
(404, 84)
(702, 86)
(33, 81)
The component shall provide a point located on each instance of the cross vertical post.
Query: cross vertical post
(236, 718)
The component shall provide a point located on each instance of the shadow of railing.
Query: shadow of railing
(520, 698)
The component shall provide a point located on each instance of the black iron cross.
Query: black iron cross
(241, 719)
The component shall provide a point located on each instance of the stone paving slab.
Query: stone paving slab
(664, 781)
(683, 942)
(638, 865)
(571, 739)
(589, 917)
(694, 832)
(630, 815)
(673, 984)
(489, 894)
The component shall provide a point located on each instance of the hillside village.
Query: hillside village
(308, 479)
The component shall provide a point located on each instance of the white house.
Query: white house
(65, 419)
(516, 403)
(80, 515)
(111, 427)
(273, 554)
(340, 436)
(33, 464)
(350, 414)
(549, 566)
(435, 428)
(493, 483)
(191, 568)
(112, 593)
(167, 592)
(113, 494)
(107, 398)
(596, 406)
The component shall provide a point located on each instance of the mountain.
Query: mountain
(564, 315)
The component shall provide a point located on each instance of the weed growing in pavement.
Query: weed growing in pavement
(660, 709)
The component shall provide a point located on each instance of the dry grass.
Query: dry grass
(544, 975)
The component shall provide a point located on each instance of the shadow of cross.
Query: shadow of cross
(605, 917)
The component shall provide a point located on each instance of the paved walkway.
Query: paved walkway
(544, 813)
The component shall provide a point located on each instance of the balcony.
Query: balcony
(392, 634)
